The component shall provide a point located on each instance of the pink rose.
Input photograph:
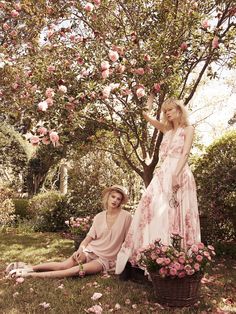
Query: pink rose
(181, 274)
(205, 24)
(194, 248)
(54, 137)
(181, 259)
(167, 261)
(89, 7)
(34, 140)
(201, 245)
(199, 258)
(215, 42)
(159, 260)
(173, 271)
(42, 130)
(42, 106)
(105, 65)
(205, 253)
(63, 89)
(113, 55)
(162, 271)
(196, 266)
(140, 92)
(15, 13)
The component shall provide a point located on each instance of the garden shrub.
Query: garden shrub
(49, 211)
(215, 174)
(21, 207)
(7, 208)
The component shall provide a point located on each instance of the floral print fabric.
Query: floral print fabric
(157, 214)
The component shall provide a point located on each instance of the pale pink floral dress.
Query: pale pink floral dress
(155, 216)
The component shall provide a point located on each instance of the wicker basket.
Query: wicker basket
(176, 292)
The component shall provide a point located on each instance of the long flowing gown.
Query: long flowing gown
(156, 215)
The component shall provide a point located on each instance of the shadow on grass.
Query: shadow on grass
(34, 248)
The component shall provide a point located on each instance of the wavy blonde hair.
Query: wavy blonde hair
(178, 104)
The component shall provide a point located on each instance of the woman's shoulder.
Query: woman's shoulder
(126, 213)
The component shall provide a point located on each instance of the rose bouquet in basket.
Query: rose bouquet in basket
(79, 226)
(172, 261)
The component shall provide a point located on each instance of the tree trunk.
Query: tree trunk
(63, 178)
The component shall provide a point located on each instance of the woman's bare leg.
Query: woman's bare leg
(92, 267)
(68, 263)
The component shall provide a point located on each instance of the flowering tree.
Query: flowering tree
(70, 64)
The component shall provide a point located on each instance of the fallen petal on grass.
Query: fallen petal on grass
(96, 296)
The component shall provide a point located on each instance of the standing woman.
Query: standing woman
(98, 251)
(169, 204)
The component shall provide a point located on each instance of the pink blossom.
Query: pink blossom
(89, 7)
(205, 253)
(15, 13)
(105, 65)
(96, 296)
(120, 68)
(43, 106)
(187, 267)
(80, 60)
(147, 57)
(42, 130)
(139, 71)
(85, 72)
(183, 46)
(63, 89)
(17, 6)
(97, 309)
(34, 140)
(97, 2)
(15, 85)
(106, 92)
(140, 92)
(49, 93)
(114, 86)
(6, 27)
(45, 305)
(51, 68)
(20, 280)
(157, 87)
(49, 101)
(105, 74)
(176, 265)
(72, 37)
(13, 33)
(54, 137)
(205, 24)
(113, 55)
(162, 271)
(199, 258)
(210, 247)
(215, 42)
(190, 272)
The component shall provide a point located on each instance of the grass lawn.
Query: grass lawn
(67, 296)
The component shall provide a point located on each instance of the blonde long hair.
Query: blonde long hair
(174, 103)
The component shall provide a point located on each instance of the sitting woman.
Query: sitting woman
(99, 249)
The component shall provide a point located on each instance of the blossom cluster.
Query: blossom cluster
(169, 261)
(79, 225)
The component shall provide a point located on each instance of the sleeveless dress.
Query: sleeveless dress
(156, 215)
